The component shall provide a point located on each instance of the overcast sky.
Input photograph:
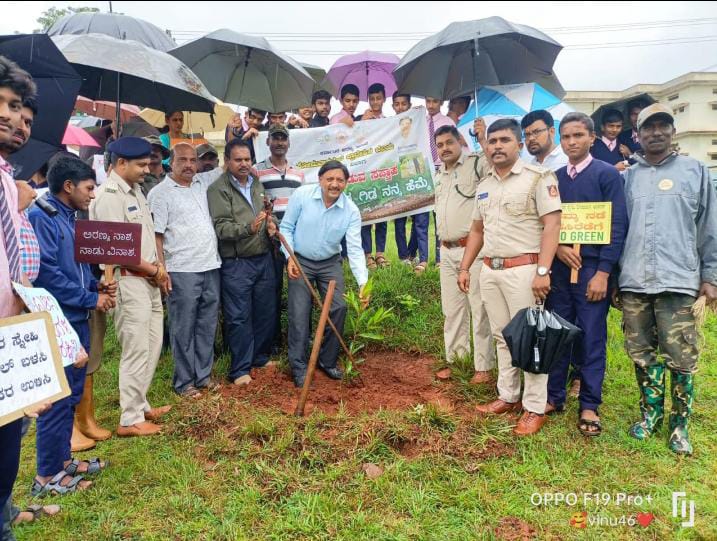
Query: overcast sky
(603, 41)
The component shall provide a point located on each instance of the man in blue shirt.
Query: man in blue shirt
(317, 218)
(586, 303)
(72, 184)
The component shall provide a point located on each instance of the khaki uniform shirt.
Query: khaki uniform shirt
(511, 208)
(116, 201)
(455, 196)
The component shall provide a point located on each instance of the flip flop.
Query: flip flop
(37, 512)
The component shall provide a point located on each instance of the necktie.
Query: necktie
(573, 172)
(11, 243)
(432, 133)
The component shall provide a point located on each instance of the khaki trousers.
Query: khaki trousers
(98, 328)
(505, 292)
(459, 309)
(138, 323)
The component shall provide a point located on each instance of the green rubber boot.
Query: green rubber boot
(682, 387)
(651, 382)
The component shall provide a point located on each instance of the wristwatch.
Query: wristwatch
(543, 271)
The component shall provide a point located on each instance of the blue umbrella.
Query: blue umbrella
(511, 101)
(57, 87)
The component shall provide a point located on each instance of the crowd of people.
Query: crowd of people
(217, 239)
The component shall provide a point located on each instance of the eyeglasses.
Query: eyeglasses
(534, 133)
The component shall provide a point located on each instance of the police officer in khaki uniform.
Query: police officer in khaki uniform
(456, 182)
(138, 317)
(517, 224)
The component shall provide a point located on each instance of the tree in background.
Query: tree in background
(52, 15)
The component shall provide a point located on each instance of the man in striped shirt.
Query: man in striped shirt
(280, 180)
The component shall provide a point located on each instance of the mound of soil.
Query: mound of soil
(389, 380)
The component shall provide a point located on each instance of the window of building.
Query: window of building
(714, 141)
(713, 156)
(680, 109)
(673, 97)
(714, 106)
(714, 91)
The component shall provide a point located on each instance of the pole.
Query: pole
(574, 272)
(315, 295)
(118, 105)
(109, 273)
(318, 338)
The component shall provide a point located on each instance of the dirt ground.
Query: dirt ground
(389, 380)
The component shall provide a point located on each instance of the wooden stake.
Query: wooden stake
(318, 339)
(574, 272)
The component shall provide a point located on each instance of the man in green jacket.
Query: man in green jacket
(236, 204)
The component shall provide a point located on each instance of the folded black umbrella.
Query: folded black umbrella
(537, 338)
(57, 87)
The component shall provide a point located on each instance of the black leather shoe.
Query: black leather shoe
(333, 373)
(299, 380)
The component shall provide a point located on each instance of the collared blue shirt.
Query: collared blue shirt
(315, 232)
(244, 190)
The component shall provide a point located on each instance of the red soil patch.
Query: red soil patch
(389, 380)
(514, 529)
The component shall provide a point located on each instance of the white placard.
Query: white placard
(38, 299)
(30, 369)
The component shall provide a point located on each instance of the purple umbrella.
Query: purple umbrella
(364, 69)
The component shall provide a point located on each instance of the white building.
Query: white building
(693, 99)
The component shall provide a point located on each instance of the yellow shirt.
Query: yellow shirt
(511, 208)
(455, 193)
(117, 201)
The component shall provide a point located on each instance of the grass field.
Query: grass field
(227, 471)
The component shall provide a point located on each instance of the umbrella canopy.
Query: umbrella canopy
(57, 86)
(193, 122)
(512, 101)
(114, 25)
(76, 136)
(247, 70)
(318, 74)
(622, 106)
(129, 72)
(364, 69)
(106, 109)
(537, 338)
(469, 54)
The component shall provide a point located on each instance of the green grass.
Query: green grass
(228, 472)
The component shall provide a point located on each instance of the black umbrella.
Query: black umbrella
(247, 70)
(537, 338)
(126, 71)
(468, 54)
(622, 106)
(114, 25)
(57, 86)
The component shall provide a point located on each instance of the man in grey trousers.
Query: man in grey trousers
(187, 244)
(317, 218)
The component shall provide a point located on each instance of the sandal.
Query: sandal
(420, 268)
(371, 262)
(54, 486)
(94, 465)
(37, 512)
(589, 427)
(191, 392)
(382, 262)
